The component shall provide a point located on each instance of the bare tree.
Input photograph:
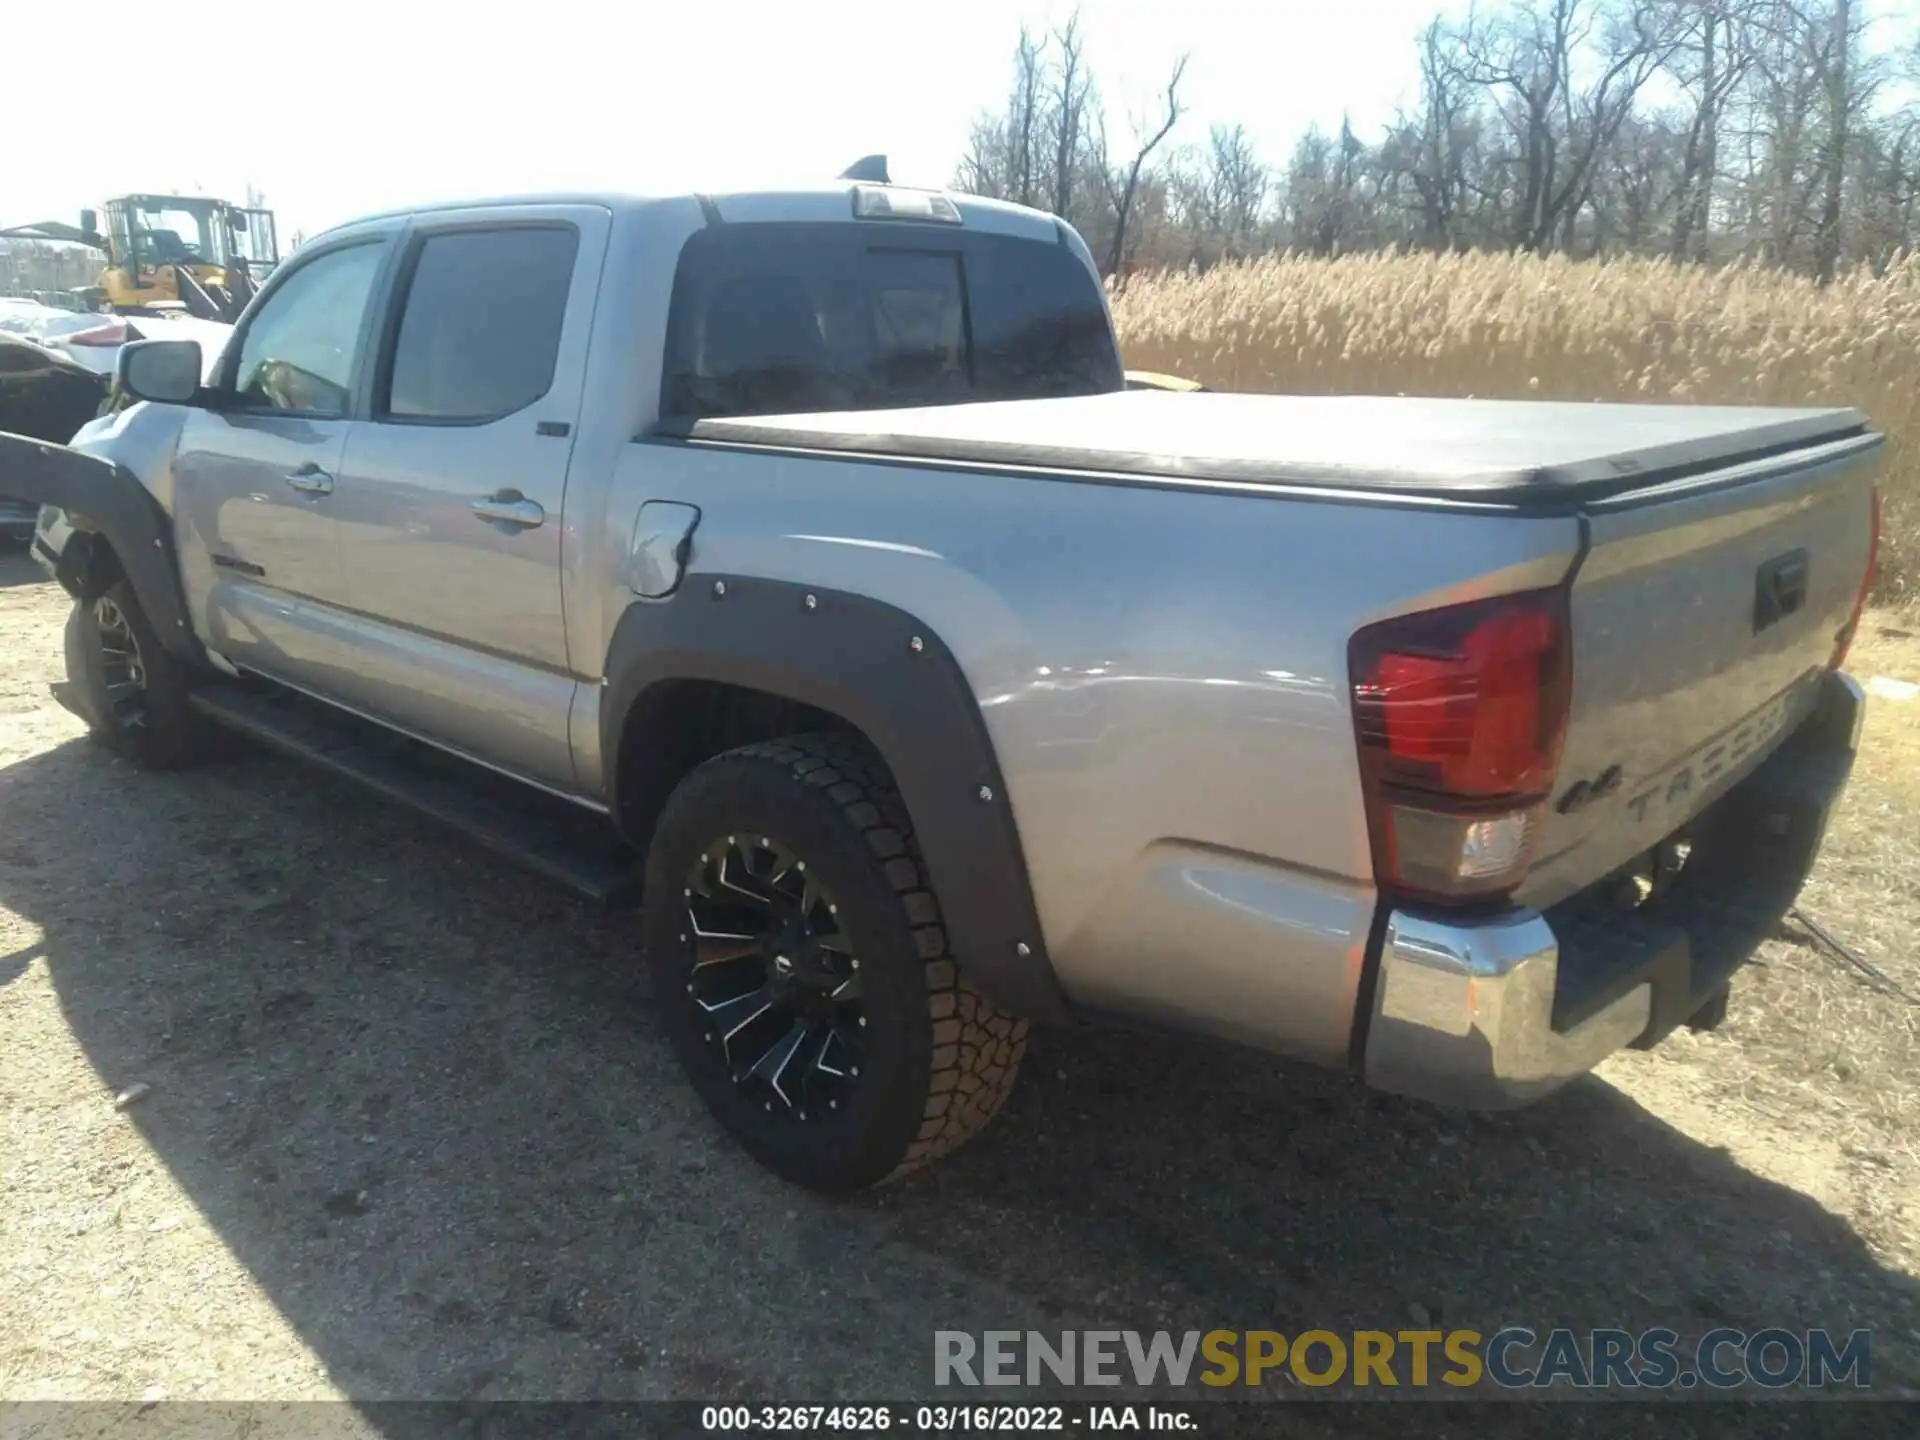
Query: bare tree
(1780, 112)
(1527, 56)
(1433, 149)
(1886, 212)
(1326, 210)
(1072, 94)
(979, 171)
(1537, 127)
(1809, 112)
(1635, 187)
(1840, 98)
(1024, 116)
(1711, 57)
(1001, 158)
(1121, 190)
(1237, 184)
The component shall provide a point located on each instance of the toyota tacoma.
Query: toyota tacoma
(800, 567)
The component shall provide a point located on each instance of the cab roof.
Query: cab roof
(824, 203)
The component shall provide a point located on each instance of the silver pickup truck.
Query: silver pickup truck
(800, 565)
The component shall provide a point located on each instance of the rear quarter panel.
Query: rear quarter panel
(1163, 674)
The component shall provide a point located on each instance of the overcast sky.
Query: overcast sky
(348, 106)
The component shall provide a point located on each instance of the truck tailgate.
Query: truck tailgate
(1703, 615)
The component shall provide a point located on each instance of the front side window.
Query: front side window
(480, 331)
(298, 351)
(794, 317)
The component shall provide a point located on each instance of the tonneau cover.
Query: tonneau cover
(1508, 452)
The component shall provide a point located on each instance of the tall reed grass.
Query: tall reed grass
(1550, 328)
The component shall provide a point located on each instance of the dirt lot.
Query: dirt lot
(411, 1133)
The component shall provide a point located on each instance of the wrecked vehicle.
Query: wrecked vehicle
(46, 397)
(800, 565)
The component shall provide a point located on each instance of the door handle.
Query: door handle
(310, 479)
(509, 507)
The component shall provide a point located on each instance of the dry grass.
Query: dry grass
(1889, 645)
(1520, 325)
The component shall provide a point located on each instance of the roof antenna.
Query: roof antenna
(870, 168)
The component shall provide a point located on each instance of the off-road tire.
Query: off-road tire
(940, 1058)
(169, 732)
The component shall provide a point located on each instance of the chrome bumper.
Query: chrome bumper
(1463, 1014)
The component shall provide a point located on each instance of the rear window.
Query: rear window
(481, 328)
(772, 319)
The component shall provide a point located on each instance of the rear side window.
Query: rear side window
(784, 318)
(480, 329)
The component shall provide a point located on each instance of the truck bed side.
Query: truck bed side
(1164, 680)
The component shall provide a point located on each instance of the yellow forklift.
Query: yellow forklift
(165, 250)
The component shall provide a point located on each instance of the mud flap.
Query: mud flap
(68, 697)
(110, 501)
(75, 692)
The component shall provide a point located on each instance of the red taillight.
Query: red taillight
(113, 332)
(1844, 642)
(1461, 713)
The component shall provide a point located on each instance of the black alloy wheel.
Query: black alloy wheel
(131, 688)
(774, 977)
(123, 672)
(802, 973)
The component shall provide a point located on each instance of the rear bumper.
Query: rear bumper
(1463, 1014)
(1494, 1012)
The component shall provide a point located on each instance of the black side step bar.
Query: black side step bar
(565, 843)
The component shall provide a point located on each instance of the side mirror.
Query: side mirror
(164, 371)
(90, 226)
(240, 220)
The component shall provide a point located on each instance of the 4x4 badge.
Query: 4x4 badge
(1584, 792)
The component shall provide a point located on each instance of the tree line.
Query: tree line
(1704, 130)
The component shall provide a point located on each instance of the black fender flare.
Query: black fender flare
(109, 500)
(881, 670)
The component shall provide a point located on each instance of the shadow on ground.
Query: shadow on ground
(421, 1099)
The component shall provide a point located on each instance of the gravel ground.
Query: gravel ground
(411, 1133)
